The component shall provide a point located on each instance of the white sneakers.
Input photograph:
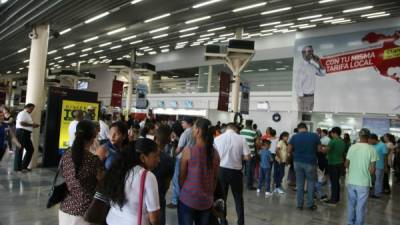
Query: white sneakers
(267, 194)
(279, 191)
(258, 190)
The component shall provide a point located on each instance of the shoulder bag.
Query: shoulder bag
(141, 193)
(57, 192)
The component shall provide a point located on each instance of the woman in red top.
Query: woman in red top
(198, 176)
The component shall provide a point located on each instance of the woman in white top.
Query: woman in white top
(122, 185)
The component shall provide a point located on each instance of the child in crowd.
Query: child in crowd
(266, 161)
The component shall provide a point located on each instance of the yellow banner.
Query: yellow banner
(391, 53)
(68, 107)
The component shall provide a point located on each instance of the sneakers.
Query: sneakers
(267, 194)
(279, 191)
(258, 190)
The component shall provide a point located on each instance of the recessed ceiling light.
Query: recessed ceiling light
(249, 7)
(373, 14)
(69, 46)
(71, 54)
(377, 16)
(105, 44)
(164, 46)
(128, 38)
(216, 29)
(51, 52)
(325, 1)
(116, 31)
(276, 10)
(97, 17)
(159, 29)
(65, 31)
(86, 49)
(284, 25)
(160, 36)
(198, 19)
(207, 35)
(83, 55)
(136, 42)
(98, 51)
(22, 50)
(188, 29)
(116, 46)
(187, 35)
(358, 9)
(135, 1)
(322, 19)
(310, 17)
(157, 17)
(205, 3)
(91, 39)
(270, 24)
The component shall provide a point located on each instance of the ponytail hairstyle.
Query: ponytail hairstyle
(85, 132)
(123, 129)
(207, 131)
(128, 158)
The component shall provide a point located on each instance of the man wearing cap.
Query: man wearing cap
(186, 140)
(78, 116)
(90, 113)
(24, 130)
(360, 162)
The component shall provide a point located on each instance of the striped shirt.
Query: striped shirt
(250, 137)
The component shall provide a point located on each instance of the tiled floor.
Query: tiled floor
(23, 198)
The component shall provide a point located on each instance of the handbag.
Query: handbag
(57, 192)
(98, 210)
(141, 193)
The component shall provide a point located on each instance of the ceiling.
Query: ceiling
(18, 16)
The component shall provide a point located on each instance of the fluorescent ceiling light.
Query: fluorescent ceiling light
(160, 36)
(341, 21)
(254, 35)
(86, 49)
(143, 48)
(116, 31)
(308, 26)
(65, 31)
(270, 24)
(187, 35)
(179, 46)
(267, 31)
(266, 34)
(25, 61)
(207, 35)
(281, 68)
(198, 19)
(276, 10)
(59, 57)
(358, 9)
(61, 61)
(334, 20)
(325, 1)
(164, 50)
(182, 43)
(164, 46)
(188, 29)
(84, 55)
(71, 54)
(157, 17)
(152, 53)
(97, 17)
(261, 70)
(98, 51)
(105, 44)
(310, 17)
(216, 29)
(195, 44)
(227, 35)
(249, 7)
(260, 85)
(299, 25)
(69, 46)
(91, 39)
(159, 29)
(116, 46)
(128, 38)
(136, 1)
(136, 42)
(22, 50)
(322, 19)
(373, 14)
(51, 52)
(380, 15)
(102, 57)
(205, 3)
(8, 72)
(284, 25)
(148, 49)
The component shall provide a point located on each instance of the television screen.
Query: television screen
(83, 85)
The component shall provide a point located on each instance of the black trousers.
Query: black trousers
(334, 172)
(24, 138)
(2, 151)
(234, 179)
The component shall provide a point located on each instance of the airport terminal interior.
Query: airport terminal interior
(206, 112)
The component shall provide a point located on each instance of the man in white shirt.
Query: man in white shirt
(24, 127)
(232, 149)
(78, 116)
(306, 71)
(104, 129)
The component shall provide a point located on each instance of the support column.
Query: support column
(150, 83)
(10, 93)
(236, 84)
(210, 71)
(129, 92)
(36, 78)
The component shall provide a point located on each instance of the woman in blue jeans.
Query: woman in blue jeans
(198, 177)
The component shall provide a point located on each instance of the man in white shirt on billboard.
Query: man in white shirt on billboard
(306, 71)
(78, 116)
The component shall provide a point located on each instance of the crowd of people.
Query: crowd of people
(130, 165)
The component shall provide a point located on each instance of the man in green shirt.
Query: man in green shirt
(360, 162)
(335, 152)
(250, 136)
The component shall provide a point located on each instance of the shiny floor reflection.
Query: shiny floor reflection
(23, 198)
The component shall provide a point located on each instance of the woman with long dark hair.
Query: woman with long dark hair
(123, 181)
(118, 139)
(80, 169)
(198, 176)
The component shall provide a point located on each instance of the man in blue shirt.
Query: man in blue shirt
(381, 151)
(304, 147)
